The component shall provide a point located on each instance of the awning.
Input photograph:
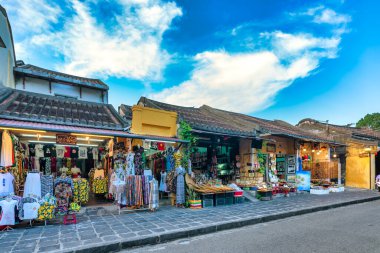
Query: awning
(18, 124)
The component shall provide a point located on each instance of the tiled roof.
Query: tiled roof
(218, 121)
(200, 119)
(272, 127)
(84, 130)
(34, 71)
(33, 107)
(339, 131)
(126, 112)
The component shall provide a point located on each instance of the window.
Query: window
(2, 44)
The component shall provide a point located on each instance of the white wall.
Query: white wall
(42, 86)
(7, 58)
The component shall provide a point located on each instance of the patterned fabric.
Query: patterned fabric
(66, 180)
(48, 166)
(139, 162)
(180, 194)
(170, 160)
(146, 189)
(81, 190)
(99, 186)
(63, 193)
(171, 182)
(153, 196)
(130, 164)
(46, 185)
(134, 191)
(46, 211)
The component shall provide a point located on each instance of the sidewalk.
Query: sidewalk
(100, 230)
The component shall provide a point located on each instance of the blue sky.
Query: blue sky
(273, 59)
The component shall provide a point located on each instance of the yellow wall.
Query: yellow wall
(149, 121)
(357, 168)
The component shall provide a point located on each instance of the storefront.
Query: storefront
(60, 154)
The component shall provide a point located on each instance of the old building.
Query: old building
(359, 158)
(36, 79)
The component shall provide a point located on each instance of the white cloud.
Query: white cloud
(249, 81)
(329, 16)
(131, 48)
(32, 16)
(237, 82)
(285, 44)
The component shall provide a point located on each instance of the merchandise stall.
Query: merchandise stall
(268, 167)
(50, 174)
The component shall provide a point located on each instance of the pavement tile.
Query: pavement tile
(49, 248)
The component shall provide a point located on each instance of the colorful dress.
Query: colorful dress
(180, 194)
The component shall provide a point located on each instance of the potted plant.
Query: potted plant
(194, 199)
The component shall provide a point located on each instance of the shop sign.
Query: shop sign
(66, 139)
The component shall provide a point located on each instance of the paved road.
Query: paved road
(349, 229)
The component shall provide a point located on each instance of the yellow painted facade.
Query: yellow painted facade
(360, 169)
(149, 121)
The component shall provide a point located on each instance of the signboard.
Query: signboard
(303, 180)
(66, 139)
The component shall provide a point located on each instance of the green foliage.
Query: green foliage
(261, 161)
(192, 195)
(185, 133)
(370, 120)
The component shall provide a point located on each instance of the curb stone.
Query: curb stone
(175, 235)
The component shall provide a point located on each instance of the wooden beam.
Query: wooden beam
(80, 91)
(23, 82)
(102, 96)
(50, 86)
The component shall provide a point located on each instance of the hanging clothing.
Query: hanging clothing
(60, 151)
(48, 150)
(163, 186)
(146, 188)
(180, 193)
(31, 210)
(48, 166)
(81, 190)
(95, 154)
(63, 193)
(138, 162)
(32, 185)
(6, 150)
(74, 152)
(32, 150)
(47, 185)
(130, 163)
(8, 212)
(153, 196)
(99, 185)
(171, 182)
(110, 147)
(6, 184)
(67, 153)
(82, 153)
(46, 211)
(39, 148)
